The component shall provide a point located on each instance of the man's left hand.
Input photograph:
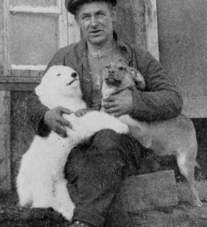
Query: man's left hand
(119, 104)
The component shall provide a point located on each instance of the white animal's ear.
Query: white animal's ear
(121, 60)
(138, 79)
(44, 84)
(39, 90)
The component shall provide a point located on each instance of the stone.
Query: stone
(185, 194)
(179, 216)
(150, 191)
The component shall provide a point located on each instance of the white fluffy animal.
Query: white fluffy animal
(40, 181)
(176, 136)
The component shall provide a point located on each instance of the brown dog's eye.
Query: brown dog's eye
(121, 68)
(58, 74)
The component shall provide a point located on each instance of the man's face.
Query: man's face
(96, 22)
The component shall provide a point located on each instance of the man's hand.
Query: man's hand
(119, 104)
(55, 121)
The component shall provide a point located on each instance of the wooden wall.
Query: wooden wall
(21, 131)
(5, 174)
(1, 35)
(182, 26)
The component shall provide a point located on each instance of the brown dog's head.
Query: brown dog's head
(119, 75)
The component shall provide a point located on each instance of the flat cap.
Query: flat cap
(72, 5)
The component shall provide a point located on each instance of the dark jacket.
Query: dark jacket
(161, 99)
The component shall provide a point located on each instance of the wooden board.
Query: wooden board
(5, 167)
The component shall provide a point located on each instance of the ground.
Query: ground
(182, 215)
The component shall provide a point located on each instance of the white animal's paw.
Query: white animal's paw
(120, 127)
(69, 132)
(197, 203)
(67, 211)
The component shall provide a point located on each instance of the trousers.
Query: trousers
(95, 171)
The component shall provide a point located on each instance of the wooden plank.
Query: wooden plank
(41, 3)
(52, 11)
(22, 132)
(5, 166)
(152, 28)
(5, 170)
(19, 79)
(131, 17)
(73, 30)
(139, 19)
(63, 33)
(17, 87)
(6, 37)
(18, 83)
(1, 35)
(28, 67)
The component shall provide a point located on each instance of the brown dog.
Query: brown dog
(176, 136)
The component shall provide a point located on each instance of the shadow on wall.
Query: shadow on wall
(201, 130)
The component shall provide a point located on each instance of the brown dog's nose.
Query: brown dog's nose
(74, 75)
(111, 71)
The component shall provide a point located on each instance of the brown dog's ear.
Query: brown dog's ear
(138, 79)
(121, 60)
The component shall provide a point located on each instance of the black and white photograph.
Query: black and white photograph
(103, 113)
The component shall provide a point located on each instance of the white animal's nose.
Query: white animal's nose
(74, 75)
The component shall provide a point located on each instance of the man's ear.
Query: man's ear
(76, 19)
(113, 14)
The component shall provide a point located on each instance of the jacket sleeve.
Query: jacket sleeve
(161, 100)
(36, 110)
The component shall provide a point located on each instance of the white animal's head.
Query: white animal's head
(59, 80)
(118, 75)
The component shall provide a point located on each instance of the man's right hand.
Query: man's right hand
(55, 121)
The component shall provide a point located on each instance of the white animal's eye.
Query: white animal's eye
(58, 74)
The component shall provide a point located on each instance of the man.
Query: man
(95, 170)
